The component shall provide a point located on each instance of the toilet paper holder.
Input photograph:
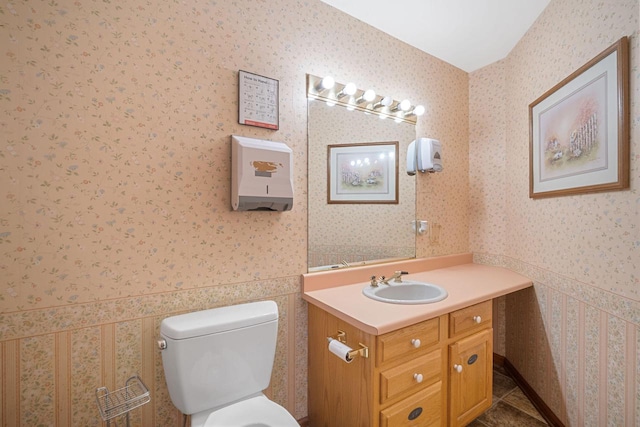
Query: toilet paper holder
(341, 336)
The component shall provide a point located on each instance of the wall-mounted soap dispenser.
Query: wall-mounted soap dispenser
(424, 155)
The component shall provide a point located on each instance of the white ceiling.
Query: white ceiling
(469, 34)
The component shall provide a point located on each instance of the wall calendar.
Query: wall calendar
(258, 101)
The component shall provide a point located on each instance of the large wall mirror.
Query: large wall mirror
(355, 232)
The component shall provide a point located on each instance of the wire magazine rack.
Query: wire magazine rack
(119, 402)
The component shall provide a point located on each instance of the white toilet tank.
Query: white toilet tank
(214, 357)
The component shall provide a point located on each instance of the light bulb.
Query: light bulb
(326, 83)
(348, 90)
(404, 105)
(384, 102)
(369, 95)
(417, 111)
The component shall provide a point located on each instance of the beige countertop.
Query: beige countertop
(466, 283)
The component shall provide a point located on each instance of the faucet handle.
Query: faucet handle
(374, 282)
(398, 274)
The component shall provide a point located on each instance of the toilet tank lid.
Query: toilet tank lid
(205, 322)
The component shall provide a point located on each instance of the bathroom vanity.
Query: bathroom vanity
(425, 364)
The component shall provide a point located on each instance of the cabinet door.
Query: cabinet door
(471, 385)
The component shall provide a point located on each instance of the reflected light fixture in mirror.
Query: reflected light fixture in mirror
(328, 90)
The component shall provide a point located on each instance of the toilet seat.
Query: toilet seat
(256, 411)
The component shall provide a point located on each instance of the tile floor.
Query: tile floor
(510, 406)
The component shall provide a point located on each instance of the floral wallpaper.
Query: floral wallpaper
(103, 193)
(114, 180)
(580, 324)
(116, 156)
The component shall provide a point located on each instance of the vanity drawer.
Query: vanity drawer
(410, 376)
(470, 319)
(410, 340)
(423, 409)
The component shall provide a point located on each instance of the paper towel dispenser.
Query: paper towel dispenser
(261, 175)
(425, 155)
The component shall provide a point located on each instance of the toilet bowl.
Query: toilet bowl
(217, 363)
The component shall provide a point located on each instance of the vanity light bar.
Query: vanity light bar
(367, 101)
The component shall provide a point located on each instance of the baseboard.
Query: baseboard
(542, 407)
(304, 422)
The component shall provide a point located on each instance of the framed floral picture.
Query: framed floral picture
(579, 129)
(362, 173)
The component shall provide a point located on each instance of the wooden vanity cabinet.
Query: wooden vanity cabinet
(409, 379)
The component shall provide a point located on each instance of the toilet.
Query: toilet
(217, 363)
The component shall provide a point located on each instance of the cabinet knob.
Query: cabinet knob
(457, 368)
(418, 377)
(477, 319)
(415, 342)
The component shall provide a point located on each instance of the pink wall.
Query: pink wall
(575, 336)
(114, 168)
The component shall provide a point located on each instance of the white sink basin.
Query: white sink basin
(406, 292)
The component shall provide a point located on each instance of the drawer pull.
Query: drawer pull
(414, 414)
(418, 378)
(472, 359)
(477, 319)
(415, 342)
(457, 368)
